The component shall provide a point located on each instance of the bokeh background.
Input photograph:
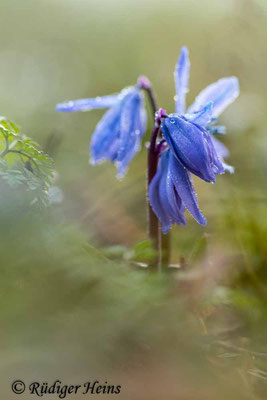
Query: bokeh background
(67, 311)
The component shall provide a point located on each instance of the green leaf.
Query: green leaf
(23, 164)
(143, 251)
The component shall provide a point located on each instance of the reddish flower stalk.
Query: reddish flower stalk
(160, 242)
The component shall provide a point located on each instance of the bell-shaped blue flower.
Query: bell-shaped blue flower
(171, 192)
(118, 134)
(192, 146)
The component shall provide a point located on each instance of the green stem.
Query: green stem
(22, 154)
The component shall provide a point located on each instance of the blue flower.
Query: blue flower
(118, 134)
(171, 192)
(192, 147)
(189, 132)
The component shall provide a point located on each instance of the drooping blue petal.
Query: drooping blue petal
(89, 104)
(215, 159)
(131, 120)
(171, 192)
(202, 117)
(222, 152)
(220, 148)
(164, 201)
(191, 146)
(169, 198)
(112, 153)
(118, 134)
(154, 196)
(175, 205)
(132, 148)
(181, 77)
(106, 135)
(185, 189)
(132, 128)
(221, 93)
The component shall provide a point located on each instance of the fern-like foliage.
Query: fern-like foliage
(24, 166)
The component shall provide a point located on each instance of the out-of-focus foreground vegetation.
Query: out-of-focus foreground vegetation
(71, 312)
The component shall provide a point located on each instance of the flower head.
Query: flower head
(189, 132)
(192, 147)
(118, 134)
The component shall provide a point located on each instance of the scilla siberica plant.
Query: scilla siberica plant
(181, 143)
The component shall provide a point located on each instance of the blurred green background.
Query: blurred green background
(57, 50)
(65, 309)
